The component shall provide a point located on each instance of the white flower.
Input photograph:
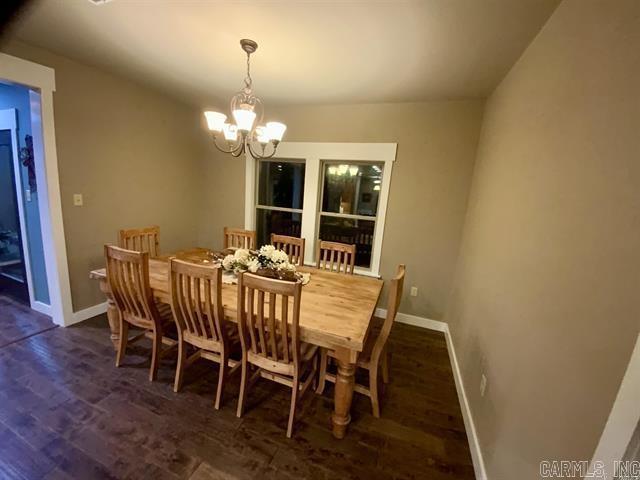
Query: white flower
(267, 251)
(279, 256)
(227, 262)
(253, 265)
(241, 255)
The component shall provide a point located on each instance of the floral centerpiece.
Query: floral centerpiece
(268, 261)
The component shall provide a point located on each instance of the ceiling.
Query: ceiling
(310, 52)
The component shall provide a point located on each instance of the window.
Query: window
(329, 191)
(280, 198)
(349, 206)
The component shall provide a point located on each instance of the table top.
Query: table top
(335, 309)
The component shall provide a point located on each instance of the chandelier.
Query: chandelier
(248, 133)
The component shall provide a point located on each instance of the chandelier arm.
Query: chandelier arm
(225, 150)
(239, 151)
(260, 156)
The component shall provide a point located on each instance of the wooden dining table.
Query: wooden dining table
(335, 313)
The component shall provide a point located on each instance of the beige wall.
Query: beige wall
(546, 297)
(134, 154)
(427, 201)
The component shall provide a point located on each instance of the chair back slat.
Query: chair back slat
(196, 300)
(336, 257)
(239, 238)
(262, 333)
(141, 240)
(393, 302)
(292, 246)
(128, 279)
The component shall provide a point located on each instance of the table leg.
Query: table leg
(343, 395)
(112, 314)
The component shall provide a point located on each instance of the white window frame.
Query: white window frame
(313, 154)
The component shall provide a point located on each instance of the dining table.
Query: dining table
(335, 313)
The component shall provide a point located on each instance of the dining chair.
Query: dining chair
(293, 246)
(141, 240)
(239, 238)
(375, 354)
(337, 257)
(196, 302)
(128, 279)
(270, 338)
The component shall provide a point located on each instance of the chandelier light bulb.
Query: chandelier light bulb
(230, 132)
(333, 170)
(244, 118)
(353, 171)
(276, 130)
(262, 134)
(342, 169)
(215, 120)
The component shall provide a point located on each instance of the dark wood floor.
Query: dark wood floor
(18, 321)
(67, 413)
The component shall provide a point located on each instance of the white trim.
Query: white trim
(623, 418)
(89, 312)
(42, 79)
(312, 176)
(8, 122)
(469, 425)
(313, 154)
(41, 307)
(415, 320)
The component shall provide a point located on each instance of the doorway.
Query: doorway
(40, 84)
(13, 276)
(23, 273)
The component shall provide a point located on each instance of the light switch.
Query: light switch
(27, 194)
(77, 199)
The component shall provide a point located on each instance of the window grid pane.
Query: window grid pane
(351, 188)
(281, 184)
(350, 231)
(276, 221)
(280, 196)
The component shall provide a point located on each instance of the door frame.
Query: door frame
(41, 82)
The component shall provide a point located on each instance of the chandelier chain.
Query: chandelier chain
(247, 80)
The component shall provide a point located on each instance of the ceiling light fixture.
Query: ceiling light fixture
(247, 111)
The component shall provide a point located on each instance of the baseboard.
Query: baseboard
(415, 320)
(41, 307)
(469, 425)
(87, 313)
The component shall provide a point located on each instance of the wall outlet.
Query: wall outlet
(77, 199)
(483, 384)
(414, 291)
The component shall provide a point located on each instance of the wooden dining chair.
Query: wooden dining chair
(239, 238)
(141, 240)
(196, 302)
(375, 354)
(128, 279)
(337, 257)
(293, 246)
(270, 338)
